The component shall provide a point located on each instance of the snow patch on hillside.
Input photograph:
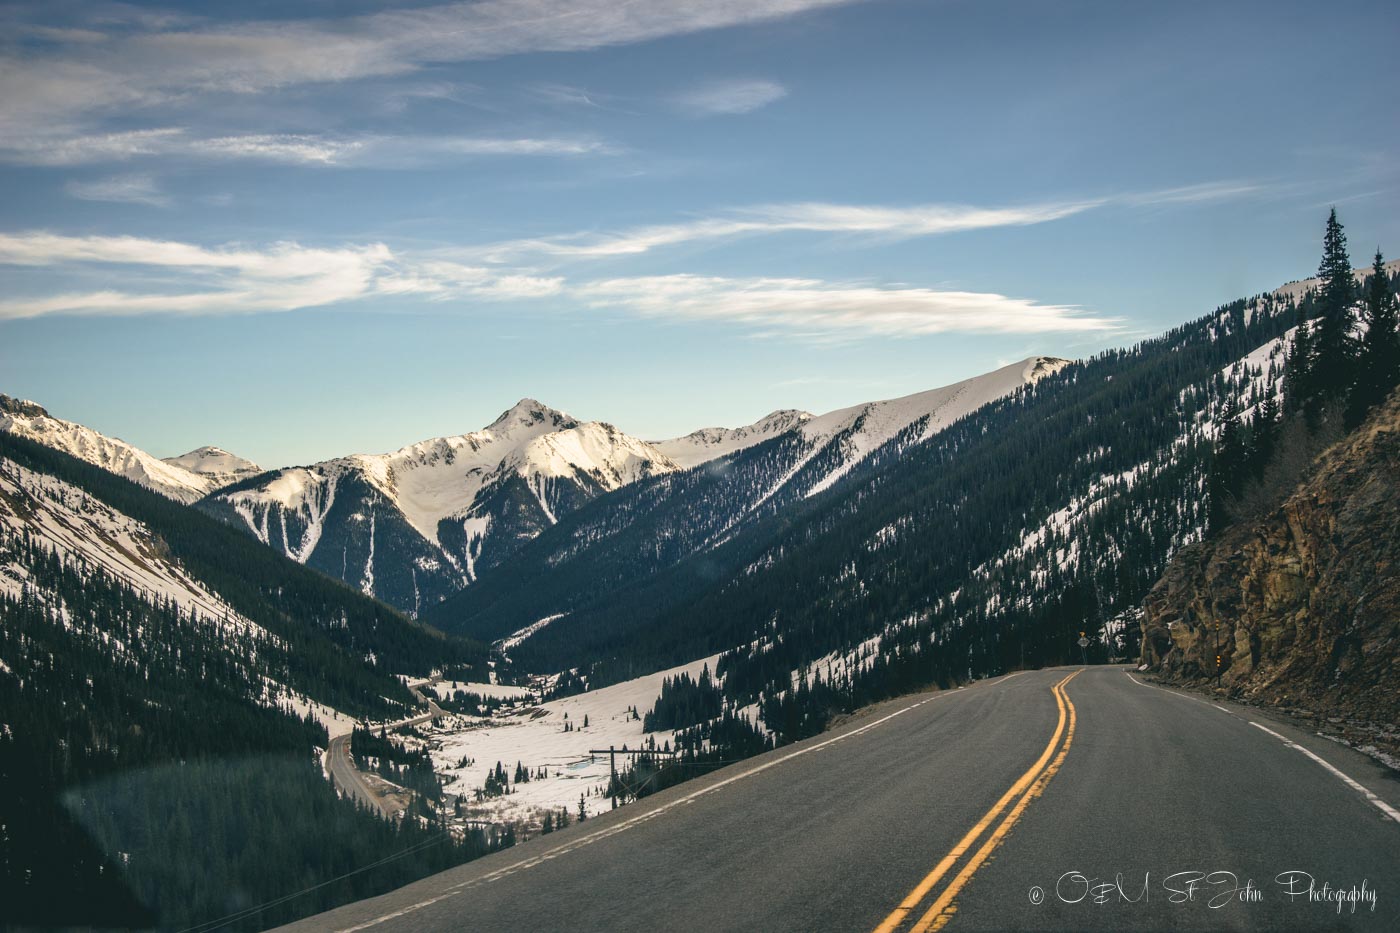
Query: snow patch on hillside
(862, 429)
(709, 444)
(78, 526)
(519, 637)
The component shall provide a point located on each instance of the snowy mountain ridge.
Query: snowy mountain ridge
(770, 467)
(861, 429)
(415, 525)
(175, 478)
(709, 444)
(445, 507)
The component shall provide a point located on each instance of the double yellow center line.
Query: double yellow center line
(1027, 787)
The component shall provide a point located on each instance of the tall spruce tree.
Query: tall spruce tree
(1228, 468)
(1378, 362)
(1335, 349)
(1297, 371)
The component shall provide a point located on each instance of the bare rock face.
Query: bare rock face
(1303, 606)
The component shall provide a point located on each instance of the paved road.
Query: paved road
(948, 809)
(341, 766)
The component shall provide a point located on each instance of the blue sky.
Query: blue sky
(322, 228)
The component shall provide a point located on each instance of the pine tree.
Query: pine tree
(1336, 348)
(1228, 467)
(1297, 371)
(1378, 363)
(1264, 436)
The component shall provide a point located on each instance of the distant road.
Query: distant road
(1014, 803)
(350, 779)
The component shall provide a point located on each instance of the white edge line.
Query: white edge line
(1175, 693)
(1384, 807)
(650, 814)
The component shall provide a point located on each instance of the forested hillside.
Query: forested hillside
(1294, 597)
(988, 545)
(628, 537)
(164, 687)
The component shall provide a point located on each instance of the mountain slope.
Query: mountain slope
(1303, 604)
(934, 558)
(624, 539)
(319, 639)
(166, 687)
(176, 478)
(415, 525)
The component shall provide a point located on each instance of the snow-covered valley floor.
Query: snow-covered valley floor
(550, 736)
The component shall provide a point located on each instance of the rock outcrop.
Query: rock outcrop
(1302, 606)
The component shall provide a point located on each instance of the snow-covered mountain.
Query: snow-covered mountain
(221, 467)
(856, 431)
(178, 478)
(1010, 508)
(739, 478)
(861, 428)
(71, 535)
(416, 524)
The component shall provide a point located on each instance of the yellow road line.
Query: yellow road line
(1029, 779)
(943, 909)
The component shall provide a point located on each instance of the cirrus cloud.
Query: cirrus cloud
(808, 217)
(57, 148)
(154, 63)
(287, 276)
(817, 308)
(731, 97)
(240, 279)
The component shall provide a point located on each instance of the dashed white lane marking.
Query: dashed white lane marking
(649, 815)
(1384, 807)
(1219, 707)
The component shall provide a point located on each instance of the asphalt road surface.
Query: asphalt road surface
(1049, 800)
(341, 766)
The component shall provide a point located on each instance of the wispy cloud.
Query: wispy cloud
(364, 151)
(817, 308)
(1194, 194)
(874, 221)
(730, 97)
(233, 279)
(121, 189)
(288, 276)
(141, 66)
(812, 217)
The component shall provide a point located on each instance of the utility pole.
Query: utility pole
(613, 751)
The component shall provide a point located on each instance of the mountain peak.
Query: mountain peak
(529, 411)
(215, 462)
(1038, 367)
(22, 407)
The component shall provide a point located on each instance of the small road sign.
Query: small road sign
(1083, 642)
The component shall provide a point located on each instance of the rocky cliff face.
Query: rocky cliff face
(1302, 606)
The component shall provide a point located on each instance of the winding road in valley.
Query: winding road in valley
(1060, 799)
(350, 779)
